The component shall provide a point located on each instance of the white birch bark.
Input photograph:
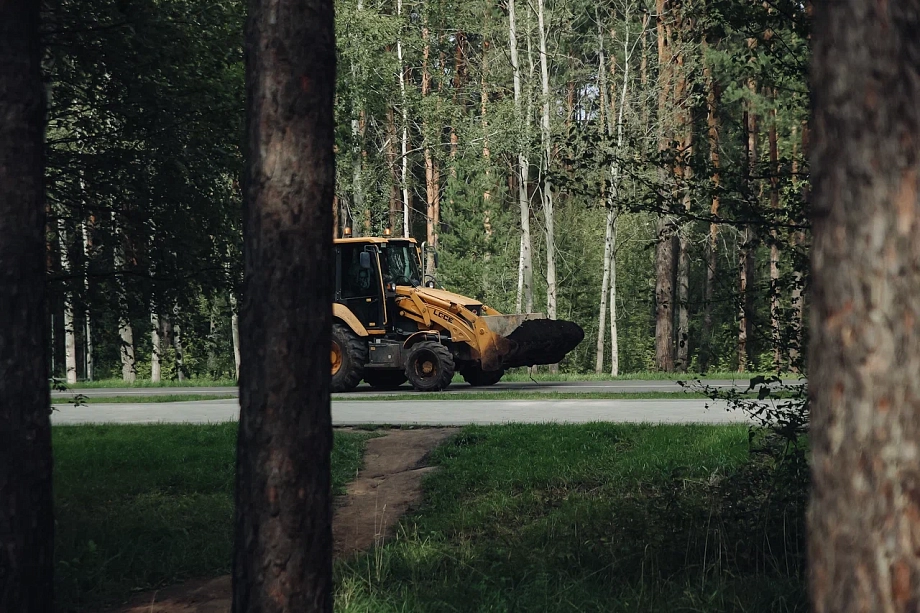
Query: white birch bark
(525, 261)
(405, 127)
(177, 345)
(70, 337)
(356, 161)
(235, 333)
(88, 332)
(546, 137)
(156, 344)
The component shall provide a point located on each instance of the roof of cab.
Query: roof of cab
(375, 240)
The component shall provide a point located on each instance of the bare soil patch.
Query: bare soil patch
(389, 485)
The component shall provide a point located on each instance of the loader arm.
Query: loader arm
(462, 324)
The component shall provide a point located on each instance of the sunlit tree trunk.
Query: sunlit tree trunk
(864, 355)
(546, 137)
(390, 152)
(156, 346)
(664, 248)
(87, 311)
(404, 141)
(432, 188)
(26, 514)
(70, 333)
(235, 332)
(525, 260)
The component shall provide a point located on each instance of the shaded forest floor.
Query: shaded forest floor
(596, 517)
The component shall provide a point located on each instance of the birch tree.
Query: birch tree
(547, 191)
(525, 266)
(70, 333)
(404, 141)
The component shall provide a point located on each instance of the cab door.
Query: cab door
(359, 285)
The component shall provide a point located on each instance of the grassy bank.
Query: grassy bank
(590, 518)
(139, 507)
(70, 399)
(116, 383)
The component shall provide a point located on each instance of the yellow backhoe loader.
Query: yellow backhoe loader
(391, 324)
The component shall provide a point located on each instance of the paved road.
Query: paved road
(439, 412)
(622, 386)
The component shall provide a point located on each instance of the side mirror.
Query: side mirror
(364, 259)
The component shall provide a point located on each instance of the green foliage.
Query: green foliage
(597, 517)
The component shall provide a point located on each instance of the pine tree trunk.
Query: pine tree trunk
(774, 243)
(125, 331)
(156, 346)
(797, 297)
(664, 248)
(390, 152)
(712, 122)
(404, 141)
(524, 301)
(546, 137)
(865, 317)
(70, 333)
(746, 251)
(683, 261)
(26, 514)
(177, 345)
(283, 550)
(88, 329)
(432, 189)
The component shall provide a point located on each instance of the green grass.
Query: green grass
(144, 399)
(139, 507)
(599, 517)
(110, 383)
(522, 395)
(520, 374)
(516, 395)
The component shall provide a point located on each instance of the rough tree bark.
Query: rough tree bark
(865, 316)
(746, 248)
(26, 516)
(664, 248)
(432, 187)
(283, 551)
(774, 242)
(525, 260)
(546, 137)
(713, 98)
(125, 330)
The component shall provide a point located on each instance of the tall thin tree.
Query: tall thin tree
(283, 550)
(525, 264)
(865, 316)
(26, 515)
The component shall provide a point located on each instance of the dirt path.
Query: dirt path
(389, 485)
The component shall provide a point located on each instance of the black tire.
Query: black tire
(429, 366)
(384, 379)
(477, 377)
(352, 356)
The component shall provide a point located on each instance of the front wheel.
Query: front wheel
(477, 377)
(429, 366)
(349, 355)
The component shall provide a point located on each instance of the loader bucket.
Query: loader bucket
(535, 339)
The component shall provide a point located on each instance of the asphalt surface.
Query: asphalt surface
(622, 386)
(420, 412)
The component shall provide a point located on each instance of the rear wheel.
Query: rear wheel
(349, 354)
(477, 377)
(429, 366)
(384, 379)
